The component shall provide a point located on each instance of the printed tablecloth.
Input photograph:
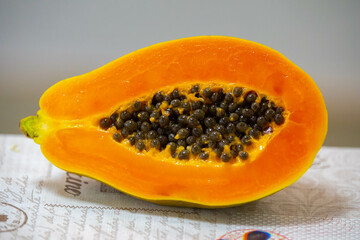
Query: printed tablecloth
(40, 201)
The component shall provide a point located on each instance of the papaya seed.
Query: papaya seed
(279, 119)
(237, 91)
(117, 137)
(137, 106)
(199, 114)
(182, 133)
(175, 103)
(105, 123)
(172, 146)
(163, 140)
(246, 140)
(140, 145)
(181, 143)
(234, 117)
(255, 106)
(145, 127)
(193, 122)
(182, 119)
(204, 155)
(225, 157)
(261, 121)
(251, 97)
(152, 134)
(230, 128)
(184, 154)
(232, 107)
(210, 122)
(190, 140)
(196, 132)
(243, 155)
(221, 129)
(132, 140)
(175, 94)
(158, 97)
(195, 89)
(241, 127)
(196, 105)
(114, 117)
(155, 143)
(254, 133)
(125, 115)
(207, 92)
(269, 114)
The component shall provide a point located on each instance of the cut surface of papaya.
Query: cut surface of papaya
(205, 121)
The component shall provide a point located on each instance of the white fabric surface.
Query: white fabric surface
(36, 202)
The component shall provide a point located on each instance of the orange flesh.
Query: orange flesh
(83, 148)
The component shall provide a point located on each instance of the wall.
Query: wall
(42, 42)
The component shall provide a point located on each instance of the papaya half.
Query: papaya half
(206, 121)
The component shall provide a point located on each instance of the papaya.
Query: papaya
(207, 121)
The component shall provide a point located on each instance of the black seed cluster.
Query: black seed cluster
(224, 122)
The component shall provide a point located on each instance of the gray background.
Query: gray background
(43, 42)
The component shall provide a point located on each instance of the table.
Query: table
(40, 201)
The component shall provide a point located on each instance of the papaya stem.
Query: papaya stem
(31, 126)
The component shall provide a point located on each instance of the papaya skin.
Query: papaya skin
(67, 124)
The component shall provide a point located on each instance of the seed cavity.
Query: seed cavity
(199, 123)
